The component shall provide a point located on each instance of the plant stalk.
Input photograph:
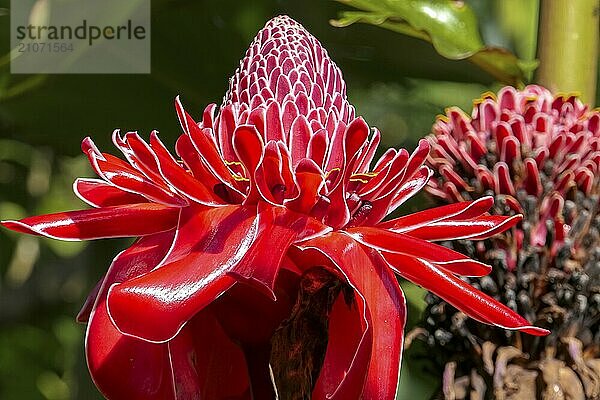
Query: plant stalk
(568, 46)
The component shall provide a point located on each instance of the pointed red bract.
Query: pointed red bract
(444, 257)
(460, 294)
(98, 193)
(106, 222)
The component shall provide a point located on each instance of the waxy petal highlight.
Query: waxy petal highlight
(106, 222)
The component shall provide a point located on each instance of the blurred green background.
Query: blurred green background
(398, 83)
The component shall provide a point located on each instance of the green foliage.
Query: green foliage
(451, 26)
(409, 107)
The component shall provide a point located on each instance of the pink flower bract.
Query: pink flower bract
(524, 147)
(276, 181)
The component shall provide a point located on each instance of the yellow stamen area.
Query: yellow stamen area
(239, 178)
(458, 111)
(489, 95)
(485, 96)
(448, 109)
(330, 172)
(567, 95)
(442, 118)
(363, 178)
(236, 177)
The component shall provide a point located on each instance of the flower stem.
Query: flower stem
(568, 46)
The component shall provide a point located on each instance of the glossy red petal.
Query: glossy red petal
(273, 123)
(401, 243)
(300, 134)
(416, 160)
(139, 155)
(249, 148)
(268, 177)
(338, 214)
(346, 362)
(458, 211)
(115, 221)
(122, 175)
(179, 178)
(225, 127)
(355, 137)
(503, 180)
(276, 228)
(343, 158)
(385, 159)
(98, 193)
(460, 294)
(511, 150)
(84, 313)
(208, 244)
(123, 367)
(194, 162)
(204, 144)
(207, 364)
(383, 311)
(335, 155)
(317, 147)
(286, 170)
(450, 175)
(365, 162)
(228, 192)
(397, 196)
(310, 181)
(393, 169)
(480, 228)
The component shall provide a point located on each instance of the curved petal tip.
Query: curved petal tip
(257, 284)
(20, 227)
(534, 330)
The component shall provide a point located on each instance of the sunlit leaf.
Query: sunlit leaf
(518, 21)
(450, 26)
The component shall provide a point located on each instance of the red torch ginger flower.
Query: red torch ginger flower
(276, 181)
(539, 155)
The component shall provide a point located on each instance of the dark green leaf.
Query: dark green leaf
(450, 26)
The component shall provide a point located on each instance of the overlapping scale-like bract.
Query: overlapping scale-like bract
(523, 146)
(538, 154)
(317, 154)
